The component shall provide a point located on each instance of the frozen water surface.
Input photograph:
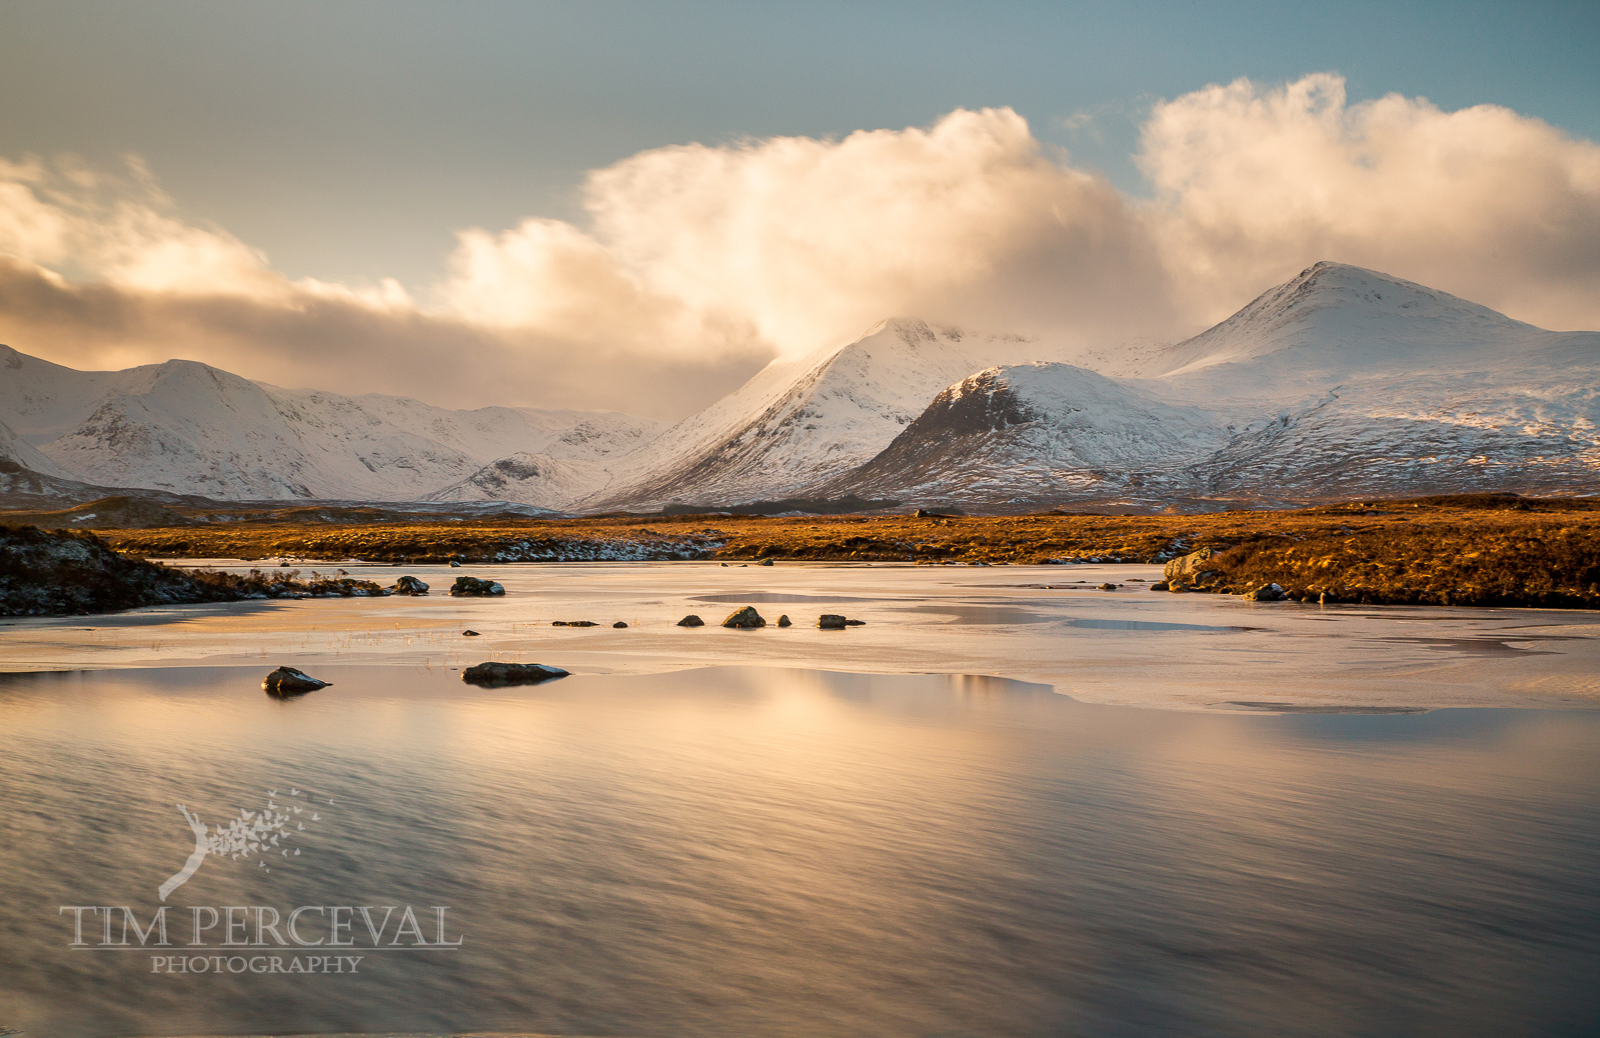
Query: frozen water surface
(1130, 646)
(1357, 821)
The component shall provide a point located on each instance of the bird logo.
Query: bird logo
(260, 834)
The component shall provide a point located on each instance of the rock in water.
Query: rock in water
(1267, 593)
(1187, 569)
(474, 586)
(831, 622)
(619, 623)
(855, 623)
(1160, 585)
(745, 619)
(783, 621)
(573, 623)
(471, 634)
(495, 675)
(691, 621)
(409, 585)
(454, 564)
(766, 562)
(286, 681)
(1108, 587)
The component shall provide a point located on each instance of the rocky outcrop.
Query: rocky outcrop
(473, 587)
(46, 573)
(287, 681)
(1189, 569)
(745, 619)
(496, 675)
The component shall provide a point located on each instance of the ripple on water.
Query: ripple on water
(757, 851)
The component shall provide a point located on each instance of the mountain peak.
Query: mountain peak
(1334, 318)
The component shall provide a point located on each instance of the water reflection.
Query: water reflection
(748, 851)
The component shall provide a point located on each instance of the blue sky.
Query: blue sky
(349, 140)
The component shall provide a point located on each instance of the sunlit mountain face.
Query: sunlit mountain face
(1342, 382)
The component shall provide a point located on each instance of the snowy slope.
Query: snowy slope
(1341, 383)
(1039, 432)
(1347, 382)
(1334, 322)
(1535, 433)
(798, 422)
(42, 401)
(15, 449)
(188, 428)
(541, 480)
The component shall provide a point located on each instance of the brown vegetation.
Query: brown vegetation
(1467, 550)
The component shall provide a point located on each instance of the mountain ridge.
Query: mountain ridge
(1339, 382)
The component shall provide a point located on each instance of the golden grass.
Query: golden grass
(1470, 550)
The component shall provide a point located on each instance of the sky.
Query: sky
(636, 205)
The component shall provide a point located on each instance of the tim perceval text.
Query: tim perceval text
(236, 938)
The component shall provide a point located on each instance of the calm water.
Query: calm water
(749, 851)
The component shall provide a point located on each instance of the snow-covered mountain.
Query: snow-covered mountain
(1343, 382)
(1334, 322)
(188, 428)
(1347, 382)
(14, 448)
(802, 421)
(1035, 432)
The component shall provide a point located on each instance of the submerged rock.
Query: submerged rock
(855, 623)
(691, 621)
(409, 585)
(573, 623)
(499, 674)
(784, 621)
(474, 586)
(287, 681)
(745, 619)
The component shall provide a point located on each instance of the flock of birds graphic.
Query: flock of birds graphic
(262, 832)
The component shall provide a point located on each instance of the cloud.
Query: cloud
(799, 243)
(697, 263)
(812, 239)
(97, 272)
(1253, 183)
(343, 343)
